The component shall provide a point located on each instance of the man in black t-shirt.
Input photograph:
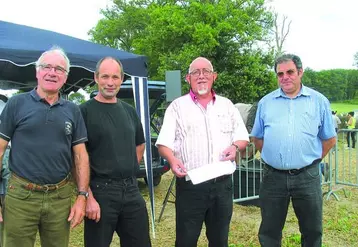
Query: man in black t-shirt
(115, 145)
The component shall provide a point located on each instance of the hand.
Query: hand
(178, 168)
(78, 211)
(93, 210)
(229, 154)
(1, 219)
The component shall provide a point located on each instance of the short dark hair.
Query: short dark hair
(98, 65)
(351, 113)
(289, 57)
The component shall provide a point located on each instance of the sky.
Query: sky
(323, 32)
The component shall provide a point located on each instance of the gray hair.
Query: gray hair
(112, 58)
(198, 59)
(58, 50)
(289, 57)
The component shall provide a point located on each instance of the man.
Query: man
(46, 134)
(201, 128)
(351, 125)
(115, 145)
(336, 120)
(294, 131)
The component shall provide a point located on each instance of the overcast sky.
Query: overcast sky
(323, 32)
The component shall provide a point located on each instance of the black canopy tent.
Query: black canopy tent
(21, 46)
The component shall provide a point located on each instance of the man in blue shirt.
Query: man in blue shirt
(293, 130)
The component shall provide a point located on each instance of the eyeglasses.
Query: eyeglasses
(290, 72)
(58, 69)
(197, 72)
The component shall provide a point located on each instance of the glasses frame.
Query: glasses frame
(205, 72)
(58, 69)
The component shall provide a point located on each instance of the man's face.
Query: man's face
(201, 77)
(109, 78)
(289, 78)
(51, 73)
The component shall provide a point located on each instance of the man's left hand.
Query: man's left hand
(78, 211)
(228, 154)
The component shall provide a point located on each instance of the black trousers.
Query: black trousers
(351, 135)
(209, 202)
(123, 210)
(303, 188)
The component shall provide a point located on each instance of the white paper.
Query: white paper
(210, 171)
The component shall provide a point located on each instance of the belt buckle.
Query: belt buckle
(47, 188)
(293, 171)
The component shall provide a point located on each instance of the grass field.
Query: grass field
(343, 107)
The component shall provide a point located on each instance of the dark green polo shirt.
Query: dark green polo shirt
(42, 136)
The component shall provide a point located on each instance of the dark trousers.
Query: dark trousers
(304, 189)
(209, 202)
(123, 210)
(351, 135)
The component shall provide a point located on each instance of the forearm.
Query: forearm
(327, 145)
(258, 143)
(140, 151)
(81, 170)
(166, 153)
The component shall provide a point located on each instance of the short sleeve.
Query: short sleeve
(258, 128)
(80, 131)
(7, 119)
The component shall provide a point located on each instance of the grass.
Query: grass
(343, 107)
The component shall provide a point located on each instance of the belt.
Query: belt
(27, 185)
(292, 172)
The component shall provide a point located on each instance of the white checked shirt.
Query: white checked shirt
(198, 135)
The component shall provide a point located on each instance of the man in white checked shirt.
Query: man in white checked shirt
(201, 128)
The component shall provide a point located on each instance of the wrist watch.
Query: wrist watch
(83, 193)
(236, 146)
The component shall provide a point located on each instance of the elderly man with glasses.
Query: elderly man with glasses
(47, 136)
(202, 128)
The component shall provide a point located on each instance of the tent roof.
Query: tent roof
(21, 46)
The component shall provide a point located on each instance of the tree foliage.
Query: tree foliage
(172, 33)
(76, 98)
(356, 60)
(335, 84)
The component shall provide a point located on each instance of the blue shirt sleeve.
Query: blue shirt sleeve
(326, 130)
(258, 129)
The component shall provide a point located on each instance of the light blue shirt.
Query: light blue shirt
(293, 129)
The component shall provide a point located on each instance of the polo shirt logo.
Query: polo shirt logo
(68, 128)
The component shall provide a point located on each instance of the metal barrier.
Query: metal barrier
(339, 167)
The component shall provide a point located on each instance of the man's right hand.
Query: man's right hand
(93, 210)
(178, 168)
(1, 219)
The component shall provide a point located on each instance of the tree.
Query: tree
(172, 33)
(355, 59)
(76, 98)
(281, 32)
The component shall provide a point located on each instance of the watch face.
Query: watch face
(83, 193)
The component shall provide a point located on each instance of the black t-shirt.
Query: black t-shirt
(114, 130)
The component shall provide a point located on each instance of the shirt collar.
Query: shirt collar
(195, 98)
(37, 97)
(303, 92)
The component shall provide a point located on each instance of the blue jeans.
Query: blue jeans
(209, 202)
(304, 189)
(123, 210)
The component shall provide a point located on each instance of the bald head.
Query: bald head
(200, 59)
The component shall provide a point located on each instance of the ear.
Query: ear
(95, 77)
(300, 72)
(187, 78)
(215, 76)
